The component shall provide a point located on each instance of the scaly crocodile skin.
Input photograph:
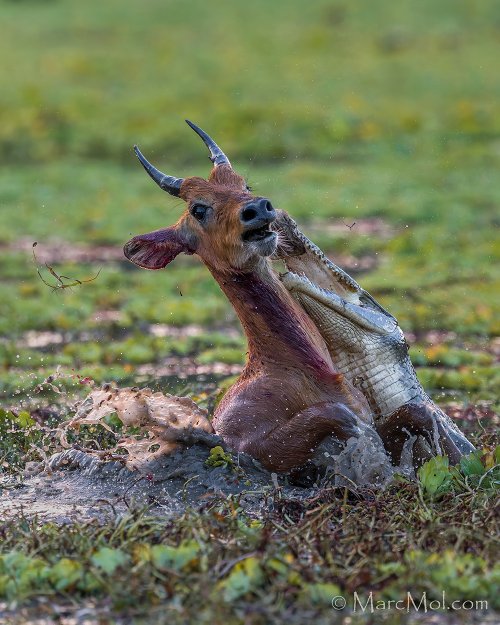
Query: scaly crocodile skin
(376, 362)
(365, 341)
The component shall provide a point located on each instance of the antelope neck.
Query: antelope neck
(277, 330)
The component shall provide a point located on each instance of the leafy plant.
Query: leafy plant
(438, 478)
(245, 577)
(219, 458)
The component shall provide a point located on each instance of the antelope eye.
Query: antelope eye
(198, 211)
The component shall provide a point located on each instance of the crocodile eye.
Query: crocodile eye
(198, 211)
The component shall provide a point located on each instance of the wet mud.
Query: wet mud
(166, 462)
(76, 485)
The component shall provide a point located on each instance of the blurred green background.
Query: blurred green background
(381, 113)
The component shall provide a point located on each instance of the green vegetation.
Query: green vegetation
(221, 563)
(384, 114)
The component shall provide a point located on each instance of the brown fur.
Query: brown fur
(289, 396)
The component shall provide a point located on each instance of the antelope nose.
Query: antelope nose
(257, 212)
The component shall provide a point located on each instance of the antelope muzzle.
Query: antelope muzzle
(256, 216)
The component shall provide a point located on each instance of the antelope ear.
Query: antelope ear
(156, 249)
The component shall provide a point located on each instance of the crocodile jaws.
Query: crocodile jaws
(364, 340)
(368, 348)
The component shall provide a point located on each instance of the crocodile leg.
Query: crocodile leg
(421, 419)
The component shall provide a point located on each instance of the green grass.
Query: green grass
(275, 81)
(338, 112)
(224, 563)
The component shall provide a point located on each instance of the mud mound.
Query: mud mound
(76, 484)
(168, 458)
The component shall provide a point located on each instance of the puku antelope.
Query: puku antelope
(290, 395)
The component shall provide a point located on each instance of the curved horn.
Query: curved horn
(217, 156)
(167, 183)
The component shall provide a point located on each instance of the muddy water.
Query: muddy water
(80, 484)
(76, 485)
(167, 440)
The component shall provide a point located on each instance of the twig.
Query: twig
(61, 284)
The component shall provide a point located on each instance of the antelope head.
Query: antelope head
(224, 224)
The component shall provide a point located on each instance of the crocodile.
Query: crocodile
(368, 346)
